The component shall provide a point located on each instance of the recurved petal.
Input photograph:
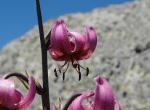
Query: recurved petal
(14, 99)
(27, 100)
(78, 42)
(5, 87)
(9, 96)
(77, 104)
(104, 99)
(91, 38)
(69, 44)
(57, 36)
(90, 43)
(57, 55)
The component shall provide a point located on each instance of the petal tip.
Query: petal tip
(89, 28)
(60, 21)
(100, 81)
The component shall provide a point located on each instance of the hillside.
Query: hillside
(122, 54)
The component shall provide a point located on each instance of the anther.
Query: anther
(79, 76)
(87, 71)
(79, 72)
(78, 67)
(55, 71)
(63, 76)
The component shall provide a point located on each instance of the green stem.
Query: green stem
(45, 95)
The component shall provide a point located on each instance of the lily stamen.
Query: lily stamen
(65, 71)
(61, 69)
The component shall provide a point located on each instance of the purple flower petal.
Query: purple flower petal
(27, 100)
(9, 96)
(58, 33)
(77, 104)
(104, 99)
(80, 42)
(71, 45)
(92, 37)
(90, 44)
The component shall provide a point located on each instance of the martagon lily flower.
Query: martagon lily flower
(12, 99)
(71, 46)
(102, 99)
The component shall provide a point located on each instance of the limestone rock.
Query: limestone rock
(122, 54)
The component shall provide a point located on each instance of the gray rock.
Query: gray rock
(122, 55)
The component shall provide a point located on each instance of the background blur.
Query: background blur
(19, 16)
(122, 54)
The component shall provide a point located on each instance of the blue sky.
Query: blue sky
(19, 16)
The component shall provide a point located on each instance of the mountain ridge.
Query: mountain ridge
(122, 54)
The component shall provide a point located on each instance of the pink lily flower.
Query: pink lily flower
(102, 99)
(71, 46)
(12, 99)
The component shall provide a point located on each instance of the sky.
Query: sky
(19, 16)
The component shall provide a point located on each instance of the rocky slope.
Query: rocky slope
(122, 54)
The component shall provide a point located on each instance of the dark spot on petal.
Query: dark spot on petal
(100, 81)
(91, 28)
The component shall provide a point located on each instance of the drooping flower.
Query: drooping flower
(71, 46)
(12, 99)
(102, 99)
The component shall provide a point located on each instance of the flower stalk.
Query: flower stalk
(45, 95)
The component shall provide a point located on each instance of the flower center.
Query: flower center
(72, 45)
